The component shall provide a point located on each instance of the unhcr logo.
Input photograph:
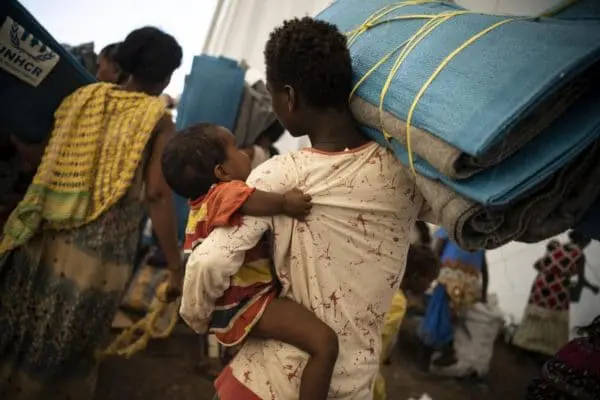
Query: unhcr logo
(23, 55)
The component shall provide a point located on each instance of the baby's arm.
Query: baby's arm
(265, 204)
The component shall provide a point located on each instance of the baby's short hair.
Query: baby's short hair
(189, 160)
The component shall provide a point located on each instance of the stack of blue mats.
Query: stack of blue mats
(482, 95)
(487, 88)
(36, 74)
(533, 164)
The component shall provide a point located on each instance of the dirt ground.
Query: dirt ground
(173, 369)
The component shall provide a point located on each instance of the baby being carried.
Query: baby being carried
(203, 164)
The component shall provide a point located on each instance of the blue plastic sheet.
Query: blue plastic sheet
(212, 92)
(487, 88)
(25, 110)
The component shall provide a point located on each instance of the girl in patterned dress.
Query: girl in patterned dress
(544, 328)
(203, 164)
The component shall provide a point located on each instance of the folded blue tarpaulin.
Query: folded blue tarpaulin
(568, 136)
(487, 88)
(212, 92)
(36, 74)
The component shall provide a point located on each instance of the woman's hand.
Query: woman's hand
(174, 284)
(296, 204)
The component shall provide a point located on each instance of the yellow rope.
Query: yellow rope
(437, 71)
(376, 17)
(405, 48)
(144, 330)
(425, 30)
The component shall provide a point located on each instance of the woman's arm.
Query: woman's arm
(159, 199)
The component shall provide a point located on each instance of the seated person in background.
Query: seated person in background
(422, 268)
(203, 164)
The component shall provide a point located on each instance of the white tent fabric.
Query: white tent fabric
(242, 27)
(240, 30)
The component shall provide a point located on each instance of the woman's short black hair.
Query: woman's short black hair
(189, 160)
(149, 55)
(311, 56)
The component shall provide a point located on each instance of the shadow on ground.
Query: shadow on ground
(173, 369)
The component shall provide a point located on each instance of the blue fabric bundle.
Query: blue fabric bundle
(487, 88)
(566, 138)
(212, 92)
(46, 71)
(519, 105)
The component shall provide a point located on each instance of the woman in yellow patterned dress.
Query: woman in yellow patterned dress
(67, 250)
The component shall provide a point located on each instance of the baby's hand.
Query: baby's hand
(296, 204)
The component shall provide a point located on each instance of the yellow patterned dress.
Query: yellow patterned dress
(67, 250)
